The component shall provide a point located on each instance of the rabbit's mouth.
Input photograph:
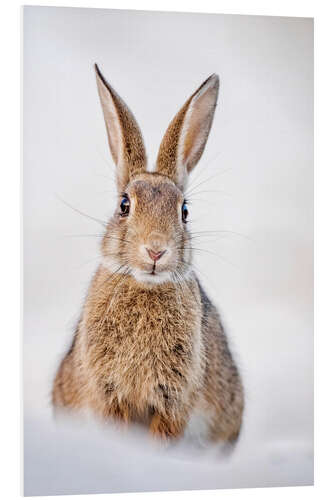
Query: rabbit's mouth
(154, 272)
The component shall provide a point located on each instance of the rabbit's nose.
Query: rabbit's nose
(155, 255)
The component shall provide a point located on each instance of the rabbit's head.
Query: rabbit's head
(147, 236)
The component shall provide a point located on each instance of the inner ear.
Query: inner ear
(195, 130)
(187, 134)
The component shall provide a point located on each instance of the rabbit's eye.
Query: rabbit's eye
(184, 211)
(124, 206)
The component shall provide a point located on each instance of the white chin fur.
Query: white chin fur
(138, 275)
(144, 277)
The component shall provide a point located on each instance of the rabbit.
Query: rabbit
(149, 346)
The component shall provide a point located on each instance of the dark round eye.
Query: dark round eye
(184, 211)
(124, 206)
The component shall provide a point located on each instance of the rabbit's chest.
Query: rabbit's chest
(149, 347)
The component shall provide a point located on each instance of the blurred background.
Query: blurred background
(251, 196)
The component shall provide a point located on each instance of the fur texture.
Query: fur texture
(149, 346)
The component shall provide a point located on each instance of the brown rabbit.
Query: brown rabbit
(149, 346)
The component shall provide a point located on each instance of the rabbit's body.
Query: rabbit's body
(157, 352)
(149, 346)
(142, 360)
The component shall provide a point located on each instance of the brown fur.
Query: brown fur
(149, 346)
(128, 149)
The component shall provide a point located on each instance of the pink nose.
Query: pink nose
(155, 255)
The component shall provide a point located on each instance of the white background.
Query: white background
(255, 180)
(321, 462)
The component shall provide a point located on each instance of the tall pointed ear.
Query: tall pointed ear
(125, 139)
(187, 134)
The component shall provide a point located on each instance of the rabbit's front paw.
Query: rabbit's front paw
(120, 412)
(166, 427)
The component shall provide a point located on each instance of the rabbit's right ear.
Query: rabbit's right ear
(125, 139)
(187, 134)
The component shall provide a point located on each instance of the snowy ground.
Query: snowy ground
(77, 458)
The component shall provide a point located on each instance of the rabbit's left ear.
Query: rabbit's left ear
(125, 139)
(187, 134)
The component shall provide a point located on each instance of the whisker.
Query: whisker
(219, 191)
(182, 282)
(83, 235)
(207, 180)
(198, 270)
(222, 232)
(112, 237)
(107, 236)
(210, 252)
(203, 170)
(113, 274)
(103, 223)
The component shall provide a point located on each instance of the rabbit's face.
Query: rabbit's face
(147, 236)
